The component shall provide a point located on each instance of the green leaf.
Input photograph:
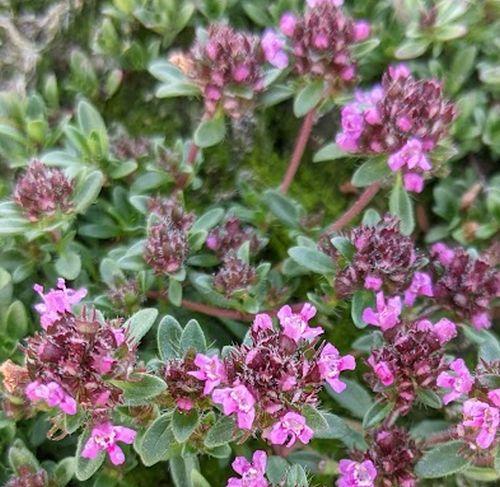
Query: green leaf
(174, 292)
(176, 89)
(68, 265)
(442, 460)
(344, 246)
(276, 469)
(401, 205)
(376, 414)
(221, 432)
(210, 132)
(86, 467)
(282, 207)
(140, 323)
(315, 419)
(276, 94)
(363, 48)
(157, 442)
(12, 226)
(64, 471)
(296, 477)
(430, 398)
(140, 388)
(193, 337)
(329, 153)
(208, 220)
(88, 191)
(338, 429)
(482, 474)
(371, 217)
(497, 461)
(370, 171)
(412, 48)
(166, 72)
(20, 456)
(312, 259)
(360, 301)
(16, 320)
(198, 480)
(169, 338)
(355, 398)
(308, 98)
(183, 424)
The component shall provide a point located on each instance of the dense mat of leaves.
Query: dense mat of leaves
(249, 243)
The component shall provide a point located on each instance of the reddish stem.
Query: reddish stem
(192, 153)
(298, 151)
(358, 206)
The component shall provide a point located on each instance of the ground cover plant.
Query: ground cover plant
(249, 243)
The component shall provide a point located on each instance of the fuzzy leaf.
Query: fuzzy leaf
(210, 132)
(360, 301)
(221, 432)
(141, 388)
(442, 460)
(372, 170)
(312, 259)
(183, 424)
(140, 323)
(401, 205)
(169, 338)
(376, 414)
(308, 98)
(157, 443)
(88, 191)
(85, 467)
(193, 337)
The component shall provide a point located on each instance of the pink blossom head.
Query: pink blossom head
(237, 400)
(57, 302)
(421, 285)
(362, 30)
(104, 438)
(295, 325)
(411, 155)
(399, 71)
(252, 473)
(386, 314)
(273, 45)
(382, 370)
(460, 381)
(290, 428)
(184, 404)
(316, 3)
(211, 370)
(53, 395)
(481, 320)
(413, 182)
(288, 23)
(354, 474)
(443, 253)
(373, 283)
(494, 397)
(445, 330)
(483, 419)
(262, 322)
(331, 364)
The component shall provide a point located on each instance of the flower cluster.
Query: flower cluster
(167, 242)
(466, 284)
(68, 360)
(403, 117)
(411, 359)
(230, 236)
(42, 191)
(234, 275)
(267, 383)
(27, 476)
(222, 65)
(383, 258)
(318, 43)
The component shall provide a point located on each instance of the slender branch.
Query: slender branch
(192, 153)
(298, 151)
(358, 206)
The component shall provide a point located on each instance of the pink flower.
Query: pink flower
(413, 182)
(290, 428)
(105, 437)
(352, 126)
(372, 282)
(387, 313)
(482, 417)
(331, 364)
(354, 474)
(444, 329)
(273, 46)
(460, 381)
(184, 404)
(241, 72)
(361, 30)
(237, 400)
(288, 22)
(412, 155)
(252, 474)
(443, 253)
(103, 364)
(261, 322)
(382, 371)
(399, 71)
(295, 325)
(421, 285)
(211, 370)
(481, 320)
(57, 302)
(119, 335)
(494, 397)
(53, 394)
(315, 3)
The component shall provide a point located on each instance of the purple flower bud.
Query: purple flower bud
(273, 46)
(288, 22)
(362, 30)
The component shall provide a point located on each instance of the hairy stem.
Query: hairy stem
(298, 151)
(358, 206)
